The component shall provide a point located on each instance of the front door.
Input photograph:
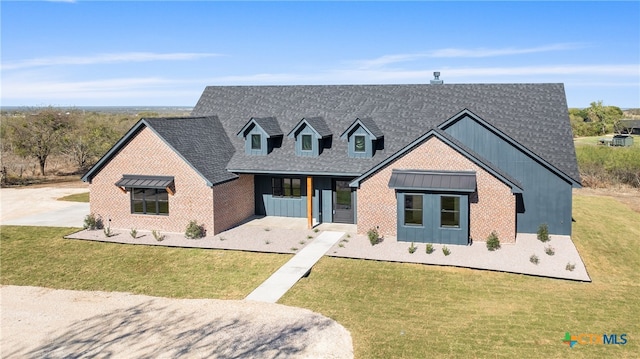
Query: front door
(342, 202)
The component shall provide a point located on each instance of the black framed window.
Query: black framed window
(450, 212)
(286, 187)
(359, 144)
(306, 143)
(413, 209)
(149, 201)
(256, 142)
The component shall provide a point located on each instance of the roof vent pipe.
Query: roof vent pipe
(436, 80)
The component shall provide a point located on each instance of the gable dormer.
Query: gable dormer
(312, 135)
(261, 135)
(364, 138)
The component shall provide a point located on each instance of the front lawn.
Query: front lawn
(39, 256)
(415, 311)
(78, 197)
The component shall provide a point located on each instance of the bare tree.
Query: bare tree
(40, 133)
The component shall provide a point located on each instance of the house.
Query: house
(630, 126)
(441, 163)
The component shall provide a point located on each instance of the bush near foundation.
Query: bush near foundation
(194, 230)
(493, 242)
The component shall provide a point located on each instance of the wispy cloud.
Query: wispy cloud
(556, 73)
(105, 59)
(43, 87)
(462, 53)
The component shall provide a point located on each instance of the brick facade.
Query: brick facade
(233, 202)
(147, 154)
(492, 207)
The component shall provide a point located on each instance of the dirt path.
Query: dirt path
(41, 322)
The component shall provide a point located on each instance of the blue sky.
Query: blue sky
(156, 53)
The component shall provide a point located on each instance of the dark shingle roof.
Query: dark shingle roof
(316, 123)
(368, 123)
(533, 115)
(269, 125)
(201, 141)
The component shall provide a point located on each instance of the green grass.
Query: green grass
(593, 140)
(78, 197)
(39, 256)
(412, 311)
(393, 310)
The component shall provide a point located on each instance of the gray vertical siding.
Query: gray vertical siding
(247, 142)
(268, 205)
(430, 231)
(368, 149)
(546, 197)
(315, 143)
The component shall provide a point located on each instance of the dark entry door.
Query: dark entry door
(342, 202)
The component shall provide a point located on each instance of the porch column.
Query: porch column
(309, 202)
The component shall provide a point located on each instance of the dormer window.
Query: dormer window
(312, 135)
(364, 138)
(307, 144)
(256, 142)
(359, 143)
(261, 135)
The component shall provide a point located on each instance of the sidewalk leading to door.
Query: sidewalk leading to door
(289, 274)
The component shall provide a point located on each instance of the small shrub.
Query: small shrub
(543, 232)
(302, 242)
(430, 248)
(134, 233)
(293, 249)
(266, 241)
(107, 232)
(222, 239)
(570, 267)
(309, 237)
(534, 259)
(493, 242)
(549, 250)
(267, 229)
(412, 248)
(345, 240)
(348, 236)
(194, 230)
(446, 250)
(315, 230)
(156, 234)
(374, 236)
(341, 245)
(91, 222)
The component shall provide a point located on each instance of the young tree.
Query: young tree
(40, 133)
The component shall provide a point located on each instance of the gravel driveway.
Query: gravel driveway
(47, 323)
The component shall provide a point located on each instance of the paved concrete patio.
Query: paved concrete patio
(290, 235)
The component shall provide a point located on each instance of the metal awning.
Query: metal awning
(459, 181)
(158, 182)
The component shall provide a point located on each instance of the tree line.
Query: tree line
(596, 120)
(79, 137)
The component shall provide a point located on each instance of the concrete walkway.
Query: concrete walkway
(289, 274)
